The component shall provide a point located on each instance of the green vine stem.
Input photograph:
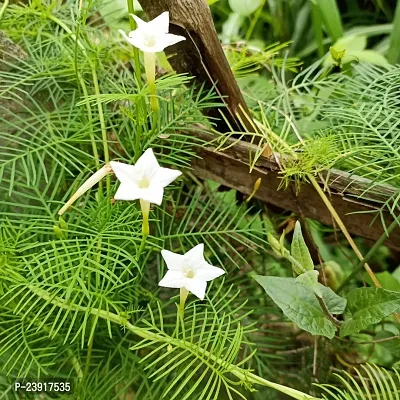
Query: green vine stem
(91, 133)
(141, 105)
(327, 313)
(102, 123)
(3, 8)
(183, 294)
(97, 91)
(76, 365)
(145, 206)
(236, 370)
(343, 228)
(150, 68)
(370, 253)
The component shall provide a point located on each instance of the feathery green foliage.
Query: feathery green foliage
(370, 381)
(68, 287)
(76, 301)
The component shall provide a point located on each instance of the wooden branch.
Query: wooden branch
(201, 55)
(348, 192)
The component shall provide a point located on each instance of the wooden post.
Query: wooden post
(201, 55)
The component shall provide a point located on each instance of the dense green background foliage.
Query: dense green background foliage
(76, 302)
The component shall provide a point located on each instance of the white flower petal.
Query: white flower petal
(174, 261)
(173, 279)
(209, 272)
(195, 257)
(169, 40)
(165, 176)
(154, 194)
(161, 23)
(137, 38)
(125, 36)
(197, 287)
(128, 191)
(158, 47)
(139, 22)
(124, 172)
(147, 165)
(153, 36)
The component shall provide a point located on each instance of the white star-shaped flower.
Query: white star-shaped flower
(153, 36)
(190, 271)
(145, 180)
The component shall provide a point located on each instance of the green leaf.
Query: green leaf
(334, 303)
(387, 280)
(274, 243)
(369, 56)
(300, 305)
(244, 7)
(58, 232)
(368, 306)
(331, 17)
(62, 222)
(342, 51)
(231, 27)
(352, 48)
(310, 279)
(394, 48)
(300, 251)
(393, 346)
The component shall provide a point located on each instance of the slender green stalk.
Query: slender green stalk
(150, 68)
(85, 91)
(65, 27)
(145, 206)
(317, 26)
(87, 103)
(102, 123)
(183, 294)
(97, 92)
(89, 355)
(327, 313)
(236, 370)
(394, 48)
(368, 256)
(91, 133)
(3, 8)
(254, 21)
(141, 105)
(76, 365)
(93, 319)
(343, 228)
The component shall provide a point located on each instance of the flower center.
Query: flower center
(188, 273)
(149, 40)
(144, 183)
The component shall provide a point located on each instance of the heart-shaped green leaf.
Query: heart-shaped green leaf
(299, 304)
(368, 306)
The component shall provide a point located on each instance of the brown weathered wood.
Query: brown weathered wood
(201, 55)
(9, 52)
(348, 192)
